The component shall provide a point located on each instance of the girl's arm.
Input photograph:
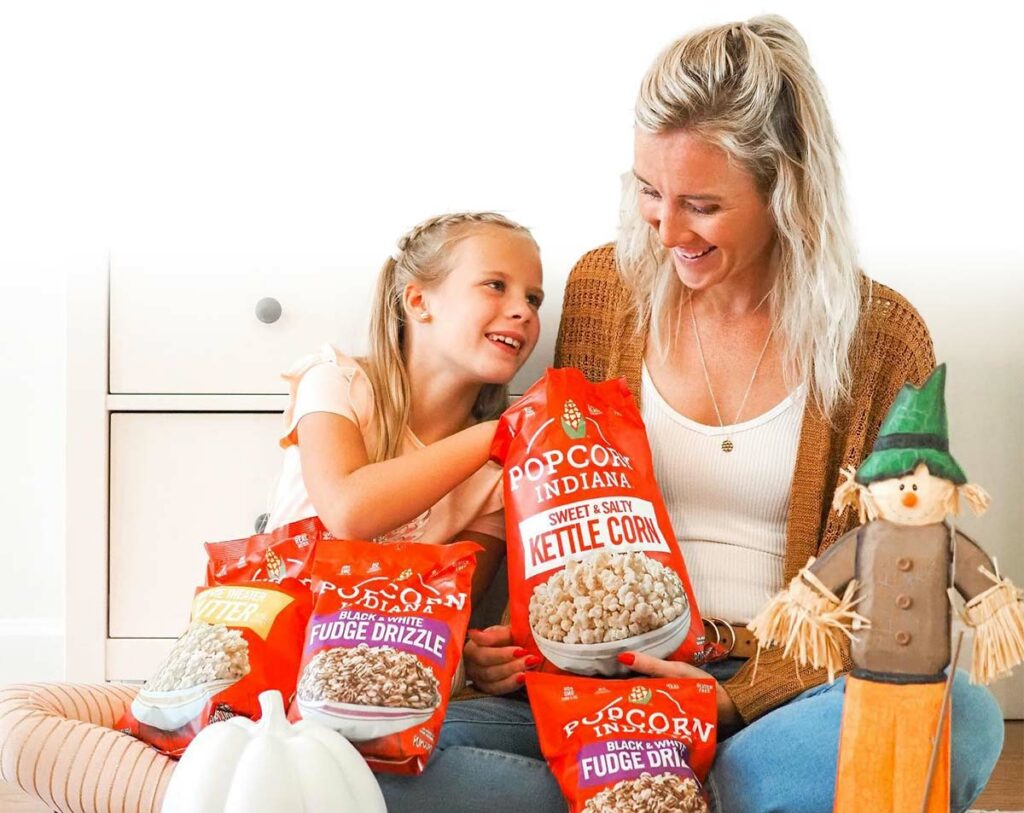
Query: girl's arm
(487, 561)
(357, 499)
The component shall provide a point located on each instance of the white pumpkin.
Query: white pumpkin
(271, 766)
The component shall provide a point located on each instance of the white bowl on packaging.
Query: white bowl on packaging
(359, 723)
(171, 710)
(603, 659)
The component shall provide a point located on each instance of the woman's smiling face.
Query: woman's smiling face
(706, 208)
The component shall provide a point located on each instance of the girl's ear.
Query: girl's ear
(415, 303)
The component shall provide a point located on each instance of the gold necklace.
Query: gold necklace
(727, 444)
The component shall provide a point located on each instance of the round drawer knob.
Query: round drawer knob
(902, 638)
(903, 601)
(261, 523)
(904, 563)
(268, 310)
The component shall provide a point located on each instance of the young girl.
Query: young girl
(395, 445)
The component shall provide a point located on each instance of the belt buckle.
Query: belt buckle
(717, 650)
(732, 635)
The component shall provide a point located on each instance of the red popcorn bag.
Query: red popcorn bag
(620, 746)
(593, 564)
(243, 639)
(284, 553)
(383, 645)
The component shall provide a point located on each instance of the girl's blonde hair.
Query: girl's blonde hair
(423, 257)
(749, 89)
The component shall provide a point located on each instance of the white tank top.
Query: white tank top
(728, 510)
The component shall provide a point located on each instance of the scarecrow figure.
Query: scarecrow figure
(893, 573)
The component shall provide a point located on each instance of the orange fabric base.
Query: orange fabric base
(885, 747)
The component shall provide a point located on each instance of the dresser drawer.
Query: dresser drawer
(188, 324)
(177, 480)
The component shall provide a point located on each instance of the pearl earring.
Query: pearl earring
(424, 315)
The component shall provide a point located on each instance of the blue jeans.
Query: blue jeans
(488, 758)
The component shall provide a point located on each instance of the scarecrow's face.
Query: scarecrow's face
(917, 499)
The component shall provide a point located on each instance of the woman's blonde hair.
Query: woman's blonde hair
(749, 88)
(423, 258)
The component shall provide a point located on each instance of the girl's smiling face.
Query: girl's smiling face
(707, 210)
(483, 317)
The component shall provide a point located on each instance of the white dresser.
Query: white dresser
(175, 440)
(174, 402)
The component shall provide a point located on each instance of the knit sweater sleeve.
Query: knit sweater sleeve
(594, 295)
(893, 347)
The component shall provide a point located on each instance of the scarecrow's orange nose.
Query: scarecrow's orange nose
(910, 499)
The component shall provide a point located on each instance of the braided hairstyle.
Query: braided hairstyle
(422, 258)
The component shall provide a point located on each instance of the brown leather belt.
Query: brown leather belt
(736, 637)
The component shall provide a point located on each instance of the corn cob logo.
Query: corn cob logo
(572, 420)
(275, 567)
(640, 695)
(405, 574)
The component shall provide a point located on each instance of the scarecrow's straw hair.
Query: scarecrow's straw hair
(852, 493)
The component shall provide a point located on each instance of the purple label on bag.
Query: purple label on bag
(425, 637)
(610, 761)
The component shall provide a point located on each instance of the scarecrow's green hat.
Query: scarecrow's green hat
(914, 431)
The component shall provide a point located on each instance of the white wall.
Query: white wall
(206, 127)
(32, 410)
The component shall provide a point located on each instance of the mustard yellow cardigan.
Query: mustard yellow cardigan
(599, 335)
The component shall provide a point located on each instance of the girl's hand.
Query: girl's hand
(493, 663)
(656, 667)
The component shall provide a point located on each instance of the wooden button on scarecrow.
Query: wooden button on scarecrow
(893, 573)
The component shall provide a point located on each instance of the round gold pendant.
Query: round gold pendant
(727, 445)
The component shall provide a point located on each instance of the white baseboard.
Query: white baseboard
(31, 649)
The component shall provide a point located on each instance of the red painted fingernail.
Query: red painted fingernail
(520, 653)
(532, 660)
(627, 658)
(521, 678)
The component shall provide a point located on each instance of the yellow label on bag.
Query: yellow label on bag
(249, 607)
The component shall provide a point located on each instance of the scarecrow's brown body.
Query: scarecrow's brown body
(903, 572)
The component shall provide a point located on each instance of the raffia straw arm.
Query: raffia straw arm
(809, 622)
(997, 616)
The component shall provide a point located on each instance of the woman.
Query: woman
(763, 361)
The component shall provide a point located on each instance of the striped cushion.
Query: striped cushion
(57, 745)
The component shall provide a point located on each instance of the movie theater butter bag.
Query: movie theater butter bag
(243, 639)
(623, 746)
(384, 643)
(594, 567)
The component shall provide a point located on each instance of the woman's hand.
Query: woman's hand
(656, 667)
(493, 663)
